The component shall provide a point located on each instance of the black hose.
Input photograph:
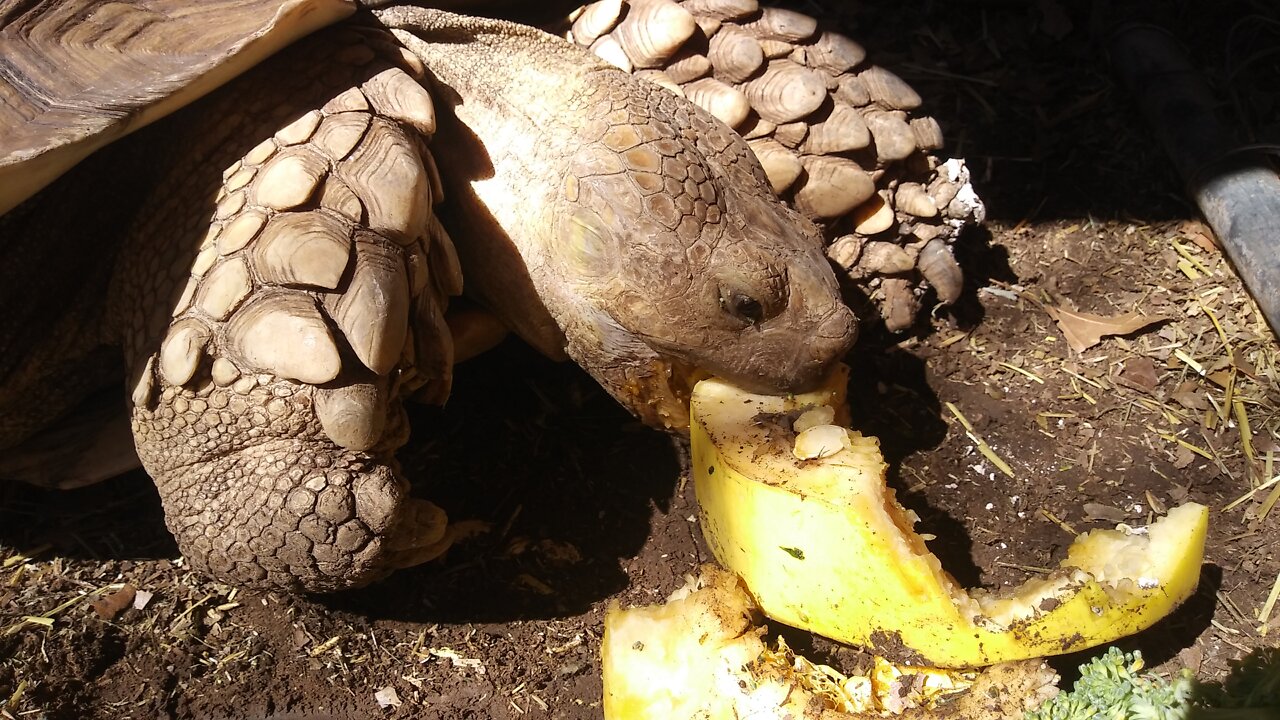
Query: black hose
(1236, 189)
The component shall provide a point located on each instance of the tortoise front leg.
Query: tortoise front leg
(266, 302)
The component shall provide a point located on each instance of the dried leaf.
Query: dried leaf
(1264, 444)
(1220, 378)
(1190, 395)
(387, 697)
(1242, 364)
(109, 606)
(1084, 330)
(1200, 234)
(1139, 373)
(1182, 458)
(1098, 511)
(1191, 657)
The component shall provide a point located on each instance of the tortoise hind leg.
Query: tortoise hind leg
(267, 371)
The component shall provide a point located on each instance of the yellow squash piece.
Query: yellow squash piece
(823, 545)
(700, 656)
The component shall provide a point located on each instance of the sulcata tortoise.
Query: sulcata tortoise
(269, 266)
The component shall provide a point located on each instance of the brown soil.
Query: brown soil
(587, 507)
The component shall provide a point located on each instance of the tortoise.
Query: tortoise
(268, 267)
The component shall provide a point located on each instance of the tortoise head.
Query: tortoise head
(680, 261)
(614, 221)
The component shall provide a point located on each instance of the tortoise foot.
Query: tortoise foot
(308, 298)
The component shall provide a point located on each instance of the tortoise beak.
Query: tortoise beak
(816, 354)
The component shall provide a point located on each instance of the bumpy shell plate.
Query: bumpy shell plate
(76, 75)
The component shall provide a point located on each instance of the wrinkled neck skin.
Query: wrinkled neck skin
(497, 147)
(609, 221)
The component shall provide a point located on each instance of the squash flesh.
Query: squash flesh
(822, 544)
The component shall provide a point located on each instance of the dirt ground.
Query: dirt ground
(588, 507)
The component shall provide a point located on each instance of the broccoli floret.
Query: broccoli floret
(1111, 687)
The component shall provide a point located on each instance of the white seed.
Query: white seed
(820, 441)
(821, 415)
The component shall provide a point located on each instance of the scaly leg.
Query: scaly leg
(281, 294)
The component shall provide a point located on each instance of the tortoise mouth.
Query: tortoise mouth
(666, 396)
(658, 392)
(768, 361)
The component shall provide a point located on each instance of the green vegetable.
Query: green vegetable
(1111, 687)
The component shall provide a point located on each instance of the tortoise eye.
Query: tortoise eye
(742, 307)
